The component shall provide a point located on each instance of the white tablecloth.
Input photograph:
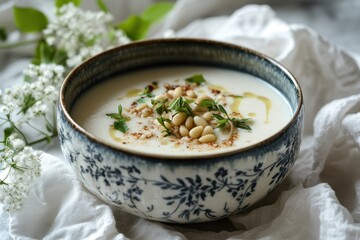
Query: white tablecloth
(320, 199)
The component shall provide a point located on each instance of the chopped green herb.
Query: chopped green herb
(147, 91)
(210, 104)
(162, 121)
(141, 100)
(159, 105)
(180, 104)
(120, 120)
(242, 123)
(198, 79)
(29, 101)
(223, 121)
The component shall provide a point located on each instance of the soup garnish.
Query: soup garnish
(180, 112)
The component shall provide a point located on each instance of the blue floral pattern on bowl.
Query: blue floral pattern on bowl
(173, 190)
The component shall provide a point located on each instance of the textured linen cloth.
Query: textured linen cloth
(320, 199)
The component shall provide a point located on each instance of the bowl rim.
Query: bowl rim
(206, 155)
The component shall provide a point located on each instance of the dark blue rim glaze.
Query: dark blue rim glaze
(138, 48)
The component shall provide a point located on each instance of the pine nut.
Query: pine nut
(179, 118)
(189, 123)
(202, 97)
(168, 95)
(183, 131)
(199, 121)
(159, 97)
(167, 124)
(207, 116)
(191, 93)
(207, 130)
(146, 112)
(196, 132)
(178, 92)
(200, 109)
(141, 106)
(207, 138)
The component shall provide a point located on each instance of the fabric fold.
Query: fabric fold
(58, 207)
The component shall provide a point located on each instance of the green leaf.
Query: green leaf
(29, 101)
(45, 53)
(218, 116)
(141, 100)
(209, 103)
(114, 116)
(222, 123)
(29, 19)
(222, 109)
(120, 109)
(198, 79)
(181, 105)
(7, 132)
(147, 91)
(162, 121)
(159, 106)
(3, 34)
(121, 125)
(137, 26)
(60, 3)
(157, 11)
(242, 123)
(102, 5)
(120, 120)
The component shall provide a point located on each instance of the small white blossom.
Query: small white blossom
(15, 142)
(4, 110)
(81, 33)
(16, 177)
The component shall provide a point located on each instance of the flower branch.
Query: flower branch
(28, 111)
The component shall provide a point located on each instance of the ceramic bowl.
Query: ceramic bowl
(177, 190)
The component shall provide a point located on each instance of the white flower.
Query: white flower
(4, 110)
(16, 143)
(82, 33)
(16, 177)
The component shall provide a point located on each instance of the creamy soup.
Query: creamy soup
(182, 110)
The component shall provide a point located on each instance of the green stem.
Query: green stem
(19, 43)
(36, 129)
(19, 131)
(43, 139)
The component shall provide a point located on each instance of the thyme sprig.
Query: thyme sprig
(147, 92)
(198, 79)
(181, 104)
(160, 105)
(223, 119)
(166, 130)
(120, 120)
(28, 111)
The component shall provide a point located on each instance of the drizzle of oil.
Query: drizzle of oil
(201, 91)
(252, 114)
(235, 104)
(112, 132)
(263, 99)
(131, 93)
(218, 88)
